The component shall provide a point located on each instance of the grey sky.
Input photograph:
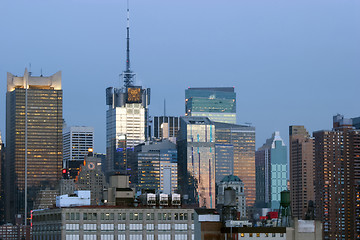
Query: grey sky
(291, 62)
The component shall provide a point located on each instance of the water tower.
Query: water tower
(284, 219)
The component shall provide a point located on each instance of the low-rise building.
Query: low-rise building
(236, 184)
(209, 226)
(113, 223)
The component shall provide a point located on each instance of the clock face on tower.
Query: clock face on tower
(133, 95)
(91, 166)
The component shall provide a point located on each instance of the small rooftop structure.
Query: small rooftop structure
(79, 198)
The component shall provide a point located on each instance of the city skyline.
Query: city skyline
(256, 51)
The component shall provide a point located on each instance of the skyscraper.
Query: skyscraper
(196, 160)
(76, 143)
(271, 171)
(2, 181)
(302, 170)
(126, 118)
(34, 134)
(218, 104)
(337, 179)
(242, 138)
(154, 166)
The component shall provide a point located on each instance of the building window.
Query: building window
(122, 216)
(107, 216)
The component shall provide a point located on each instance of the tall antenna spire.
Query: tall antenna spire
(128, 75)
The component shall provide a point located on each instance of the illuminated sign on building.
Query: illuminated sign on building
(133, 95)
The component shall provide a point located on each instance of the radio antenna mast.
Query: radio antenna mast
(128, 75)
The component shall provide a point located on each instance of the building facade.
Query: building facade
(113, 223)
(154, 166)
(2, 181)
(271, 171)
(337, 158)
(235, 183)
(33, 122)
(224, 161)
(218, 104)
(165, 127)
(76, 143)
(196, 160)
(92, 178)
(242, 138)
(302, 170)
(126, 123)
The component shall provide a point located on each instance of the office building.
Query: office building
(126, 118)
(166, 127)
(2, 180)
(154, 166)
(39, 101)
(116, 223)
(271, 171)
(218, 104)
(302, 170)
(92, 178)
(237, 185)
(67, 186)
(224, 161)
(46, 199)
(196, 160)
(242, 138)
(337, 158)
(76, 143)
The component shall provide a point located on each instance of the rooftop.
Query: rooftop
(231, 178)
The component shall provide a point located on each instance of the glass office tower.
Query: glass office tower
(242, 138)
(196, 160)
(44, 137)
(154, 166)
(218, 104)
(271, 171)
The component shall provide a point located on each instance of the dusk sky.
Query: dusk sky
(291, 62)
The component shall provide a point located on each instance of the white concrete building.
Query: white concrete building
(113, 223)
(126, 123)
(76, 143)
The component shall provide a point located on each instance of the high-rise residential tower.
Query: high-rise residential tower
(337, 179)
(239, 141)
(126, 118)
(34, 126)
(196, 160)
(76, 143)
(271, 171)
(302, 170)
(218, 104)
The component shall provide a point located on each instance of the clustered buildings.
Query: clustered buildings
(204, 156)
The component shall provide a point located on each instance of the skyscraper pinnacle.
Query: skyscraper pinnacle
(128, 75)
